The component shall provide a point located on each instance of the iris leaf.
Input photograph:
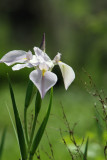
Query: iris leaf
(41, 129)
(28, 98)
(28, 94)
(19, 127)
(38, 102)
(2, 142)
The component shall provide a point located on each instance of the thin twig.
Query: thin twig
(71, 132)
(38, 155)
(66, 145)
(50, 145)
(46, 153)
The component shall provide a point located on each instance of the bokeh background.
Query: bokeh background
(75, 28)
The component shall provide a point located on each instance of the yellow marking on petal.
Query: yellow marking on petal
(43, 72)
(25, 58)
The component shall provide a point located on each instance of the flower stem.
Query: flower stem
(25, 124)
(30, 157)
(32, 133)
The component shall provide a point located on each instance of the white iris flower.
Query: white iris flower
(42, 77)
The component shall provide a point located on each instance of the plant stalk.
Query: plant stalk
(25, 124)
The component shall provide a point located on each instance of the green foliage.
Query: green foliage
(29, 93)
(85, 157)
(28, 98)
(20, 133)
(99, 124)
(38, 103)
(2, 143)
(41, 128)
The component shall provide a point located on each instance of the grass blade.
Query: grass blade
(41, 129)
(86, 150)
(12, 123)
(2, 142)
(19, 127)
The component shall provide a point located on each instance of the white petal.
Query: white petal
(43, 83)
(29, 55)
(43, 66)
(43, 57)
(67, 73)
(41, 54)
(34, 61)
(57, 58)
(19, 66)
(13, 57)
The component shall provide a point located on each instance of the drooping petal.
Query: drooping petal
(67, 73)
(13, 57)
(20, 66)
(43, 83)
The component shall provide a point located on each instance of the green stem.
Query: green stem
(32, 132)
(30, 157)
(25, 124)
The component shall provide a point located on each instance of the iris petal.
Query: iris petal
(43, 83)
(13, 57)
(67, 73)
(20, 66)
(40, 54)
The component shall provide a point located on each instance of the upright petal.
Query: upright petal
(13, 57)
(43, 83)
(40, 54)
(29, 55)
(57, 58)
(67, 73)
(34, 61)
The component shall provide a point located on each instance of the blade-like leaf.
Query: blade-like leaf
(28, 94)
(38, 102)
(85, 151)
(2, 142)
(41, 129)
(28, 98)
(12, 123)
(19, 127)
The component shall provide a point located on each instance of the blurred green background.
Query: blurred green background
(75, 28)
